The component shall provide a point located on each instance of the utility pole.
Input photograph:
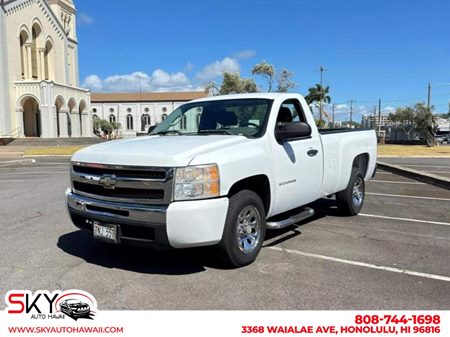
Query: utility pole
(334, 105)
(321, 69)
(429, 97)
(379, 118)
(351, 113)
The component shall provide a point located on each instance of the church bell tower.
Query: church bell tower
(66, 13)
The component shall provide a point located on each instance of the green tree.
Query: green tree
(267, 71)
(105, 126)
(425, 121)
(318, 94)
(404, 117)
(285, 81)
(232, 83)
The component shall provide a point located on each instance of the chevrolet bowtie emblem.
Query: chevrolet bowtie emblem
(108, 182)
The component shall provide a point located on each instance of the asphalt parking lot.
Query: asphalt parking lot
(436, 166)
(394, 255)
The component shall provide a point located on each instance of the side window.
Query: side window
(295, 108)
(290, 112)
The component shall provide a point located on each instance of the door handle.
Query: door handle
(312, 153)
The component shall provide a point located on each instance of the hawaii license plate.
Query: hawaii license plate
(105, 232)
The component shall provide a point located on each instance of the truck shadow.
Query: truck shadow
(155, 260)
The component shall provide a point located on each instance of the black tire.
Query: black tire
(348, 202)
(237, 247)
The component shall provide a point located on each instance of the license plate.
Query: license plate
(105, 232)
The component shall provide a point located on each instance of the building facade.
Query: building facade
(371, 121)
(136, 112)
(39, 86)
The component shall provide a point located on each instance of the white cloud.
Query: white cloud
(388, 110)
(85, 19)
(217, 68)
(93, 82)
(244, 54)
(159, 80)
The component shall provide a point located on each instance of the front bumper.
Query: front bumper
(179, 225)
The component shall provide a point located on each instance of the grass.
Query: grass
(52, 150)
(383, 150)
(413, 150)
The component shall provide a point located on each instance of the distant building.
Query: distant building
(137, 112)
(39, 89)
(371, 121)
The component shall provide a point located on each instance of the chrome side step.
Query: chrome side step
(305, 214)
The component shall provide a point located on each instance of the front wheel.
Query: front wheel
(245, 229)
(351, 200)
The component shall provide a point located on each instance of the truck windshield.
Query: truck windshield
(244, 117)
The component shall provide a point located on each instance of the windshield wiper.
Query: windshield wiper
(216, 131)
(166, 132)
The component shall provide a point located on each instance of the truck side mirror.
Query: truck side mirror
(291, 131)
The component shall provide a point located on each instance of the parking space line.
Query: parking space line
(396, 182)
(22, 173)
(388, 231)
(379, 172)
(11, 181)
(422, 165)
(406, 196)
(404, 219)
(362, 264)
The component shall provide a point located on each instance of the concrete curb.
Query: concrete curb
(424, 156)
(17, 161)
(47, 155)
(425, 177)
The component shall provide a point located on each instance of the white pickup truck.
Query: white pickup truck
(219, 171)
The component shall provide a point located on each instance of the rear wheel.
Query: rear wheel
(351, 200)
(245, 229)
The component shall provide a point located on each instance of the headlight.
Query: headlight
(197, 182)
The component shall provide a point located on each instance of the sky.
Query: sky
(388, 49)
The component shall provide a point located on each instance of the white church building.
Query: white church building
(39, 85)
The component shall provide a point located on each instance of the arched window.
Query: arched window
(23, 54)
(35, 34)
(145, 121)
(48, 61)
(94, 116)
(163, 116)
(129, 122)
(112, 118)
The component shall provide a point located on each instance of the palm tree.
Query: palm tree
(318, 94)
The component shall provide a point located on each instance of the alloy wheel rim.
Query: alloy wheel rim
(248, 229)
(358, 192)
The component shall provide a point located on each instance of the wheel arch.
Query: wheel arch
(361, 162)
(260, 184)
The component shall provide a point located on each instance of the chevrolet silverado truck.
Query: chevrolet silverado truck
(219, 171)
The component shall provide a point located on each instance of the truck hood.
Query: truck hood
(166, 151)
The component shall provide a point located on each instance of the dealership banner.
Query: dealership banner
(75, 313)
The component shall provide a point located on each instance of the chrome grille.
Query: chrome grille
(131, 184)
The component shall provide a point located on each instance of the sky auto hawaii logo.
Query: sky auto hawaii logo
(43, 304)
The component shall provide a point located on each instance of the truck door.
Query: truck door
(298, 164)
